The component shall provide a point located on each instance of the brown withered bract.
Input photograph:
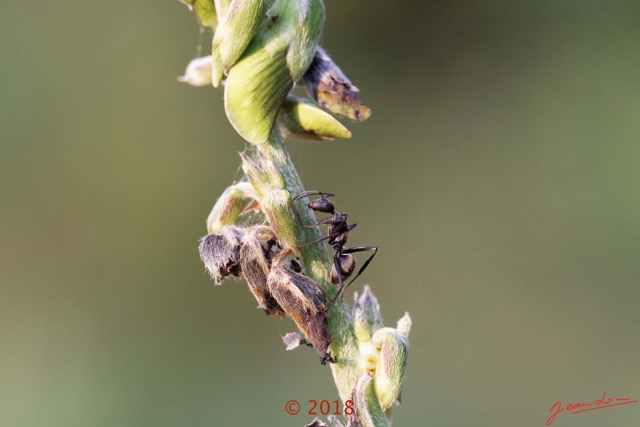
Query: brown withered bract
(293, 340)
(274, 279)
(258, 247)
(221, 253)
(332, 90)
(244, 253)
(300, 297)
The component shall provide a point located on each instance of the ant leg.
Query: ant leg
(319, 240)
(374, 249)
(313, 193)
(328, 221)
(338, 267)
(351, 227)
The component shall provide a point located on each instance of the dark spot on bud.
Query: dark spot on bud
(294, 265)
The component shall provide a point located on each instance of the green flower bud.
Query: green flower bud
(303, 120)
(361, 327)
(276, 58)
(332, 90)
(264, 176)
(370, 308)
(278, 207)
(222, 7)
(366, 404)
(301, 23)
(404, 325)
(198, 72)
(205, 11)
(229, 206)
(234, 34)
(391, 365)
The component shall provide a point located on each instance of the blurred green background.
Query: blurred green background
(499, 175)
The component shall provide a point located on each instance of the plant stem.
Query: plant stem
(318, 263)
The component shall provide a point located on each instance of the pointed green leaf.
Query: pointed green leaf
(303, 120)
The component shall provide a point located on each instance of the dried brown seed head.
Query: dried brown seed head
(258, 247)
(300, 298)
(221, 253)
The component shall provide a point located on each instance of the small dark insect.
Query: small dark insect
(338, 233)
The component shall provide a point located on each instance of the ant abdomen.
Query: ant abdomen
(347, 265)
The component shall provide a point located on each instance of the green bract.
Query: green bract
(230, 205)
(392, 362)
(277, 57)
(234, 34)
(303, 120)
(368, 408)
(205, 11)
(262, 174)
(278, 208)
(222, 6)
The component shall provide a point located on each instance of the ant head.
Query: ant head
(322, 205)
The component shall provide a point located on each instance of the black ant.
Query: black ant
(338, 233)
